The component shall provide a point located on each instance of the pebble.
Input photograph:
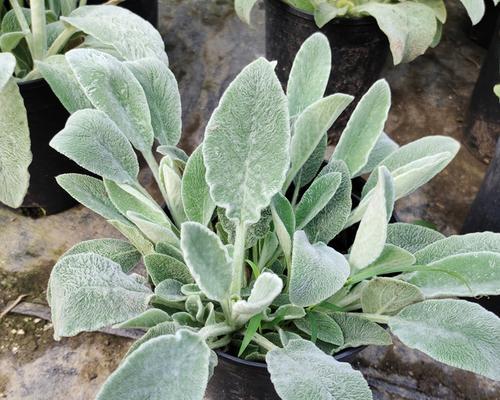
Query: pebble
(36, 320)
(20, 332)
(47, 327)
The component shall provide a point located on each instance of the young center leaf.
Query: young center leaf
(94, 142)
(317, 271)
(284, 222)
(89, 292)
(301, 371)
(246, 143)
(207, 259)
(147, 373)
(454, 332)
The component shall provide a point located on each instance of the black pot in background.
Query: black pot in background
(482, 32)
(147, 9)
(359, 49)
(236, 379)
(46, 117)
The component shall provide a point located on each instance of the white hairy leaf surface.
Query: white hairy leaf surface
(309, 73)
(161, 267)
(475, 9)
(170, 290)
(156, 232)
(317, 271)
(246, 147)
(382, 149)
(147, 319)
(93, 141)
(147, 373)
(134, 236)
(392, 257)
(244, 8)
(164, 100)
(364, 127)
(411, 237)
(113, 89)
(388, 296)
(130, 35)
(284, 222)
(15, 153)
(89, 292)
(7, 67)
(454, 332)
(301, 371)
(439, 8)
(170, 179)
(326, 328)
(311, 167)
(207, 259)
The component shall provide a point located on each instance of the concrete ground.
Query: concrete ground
(207, 46)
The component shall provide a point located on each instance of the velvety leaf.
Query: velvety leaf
(475, 9)
(89, 292)
(318, 271)
(247, 158)
(358, 331)
(162, 329)
(170, 179)
(311, 167)
(310, 127)
(161, 267)
(411, 237)
(382, 149)
(327, 329)
(119, 251)
(244, 8)
(113, 89)
(286, 312)
(130, 35)
(170, 290)
(284, 222)
(309, 73)
(7, 67)
(316, 197)
(147, 319)
(372, 231)
(388, 296)
(208, 260)
(175, 153)
(147, 372)
(439, 8)
(61, 79)
(169, 250)
(91, 193)
(134, 236)
(454, 332)
(8, 42)
(392, 258)
(364, 127)
(198, 204)
(93, 141)
(15, 154)
(331, 220)
(324, 12)
(155, 232)
(301, 371)
(468, 274)
(164, 101)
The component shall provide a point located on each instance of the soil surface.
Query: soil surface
(208, 46)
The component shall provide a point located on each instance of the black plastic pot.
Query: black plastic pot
(482, 32)
(236, 379)
(359, 49)
(46, 117)
(147, 9)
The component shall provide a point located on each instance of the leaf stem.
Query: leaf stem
(215, 330)
(155, 169)
(61, 41)
(263, 342)
(23, 23)
(39, 30)
(381, 319)
(238, 258)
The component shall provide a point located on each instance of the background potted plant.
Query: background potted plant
(32, 41)
(147, 9)
(239, 263)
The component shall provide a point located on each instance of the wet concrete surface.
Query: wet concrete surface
(208, 46)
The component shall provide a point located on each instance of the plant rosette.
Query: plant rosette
(32, 43)
(237, 266)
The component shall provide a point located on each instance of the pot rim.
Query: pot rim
(31, 82)
(310, 17)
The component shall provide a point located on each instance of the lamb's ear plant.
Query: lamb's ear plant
(240, 261)
(410, 26)
(33, 40)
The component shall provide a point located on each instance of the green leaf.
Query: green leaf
(198, 204)
(311, 167)
(392, 259)
(61, 79)
(119, 251)
(469, 274)
(285, 312)
(147, 319)
(309, 73)
(382, 149)
(163, 98)
(161, 267)
(134, 236)
(94, 142)
(284, 222)
(170, 179)
(246, 147)
(266, 288)
(438, 7)
(475, 9)
(252, 327)
(15, 154)
(89, 292)
(409, 26)
(411, 237)
(388, 296)
(327, 329)
(91, 193)
(162, 329)
(372, 231)
(318, 271)
(316, 197)
(331, 220)
(324, 12)
(358, 331)
(130, 35)
(170, 290)
(454, 332)
(310, 127)
(113, 89)
(8, 42)
(364, 127)
(169, 250)
(208, 260)
(7, 67)
(301, 371)
(244, 8)
(155, 232)
(147, 372)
